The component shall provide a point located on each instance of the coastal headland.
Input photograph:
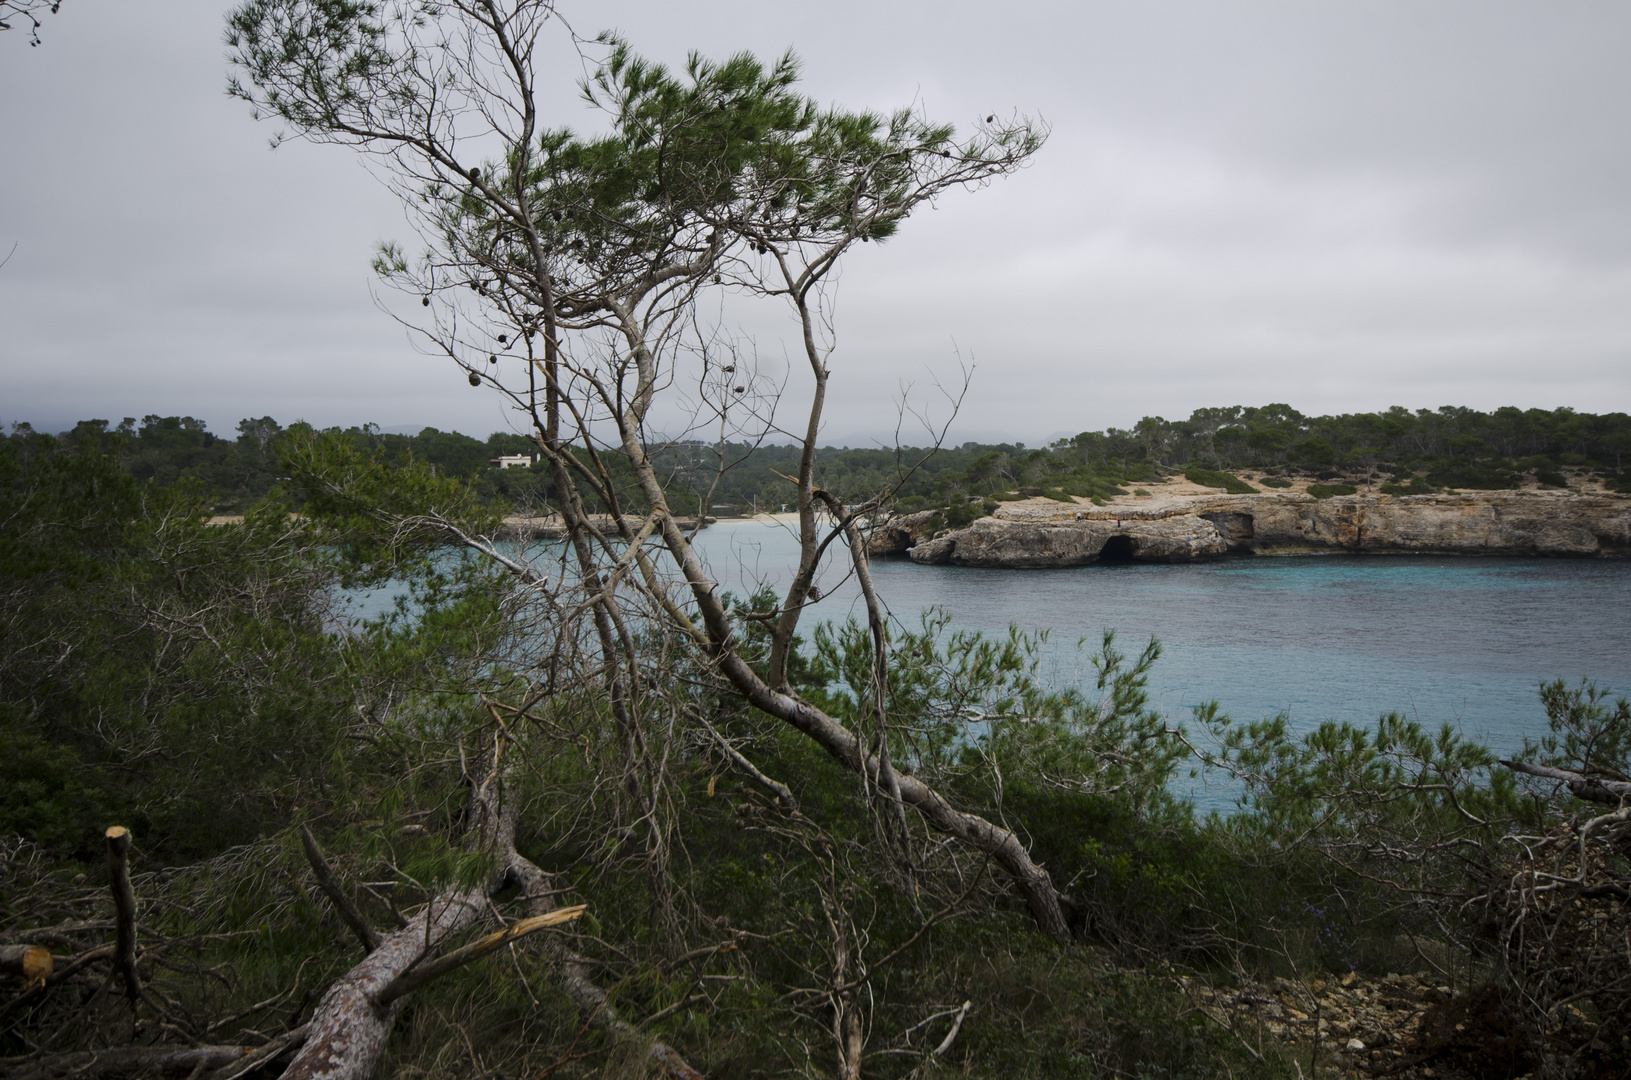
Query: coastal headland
(1196, 524)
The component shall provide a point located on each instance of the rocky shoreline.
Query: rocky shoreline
(1191, 527)
(553, 528)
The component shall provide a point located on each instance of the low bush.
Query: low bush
(1229, 482)
(1480, 476)
(963, 515)
(1275, 482)
(1326, 491)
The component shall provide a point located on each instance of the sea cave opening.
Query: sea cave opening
(1117, 549)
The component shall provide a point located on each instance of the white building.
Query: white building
(512, 461)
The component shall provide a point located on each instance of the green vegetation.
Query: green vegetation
(1450, 446)
(139, 634)
(1326, 491)
(1414, 485)
(1229, 482)
(194, 682)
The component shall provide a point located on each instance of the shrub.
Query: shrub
(1413, 485)
(1549, 478)
(1140, 491)
(1275, 482)
(963, 515)
(1325, 491)
(1487, 476)
(1229, 482)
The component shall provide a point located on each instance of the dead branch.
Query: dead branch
(781, 790)
(123, 1061)
(956, 1026)
(1582, 786)
(261, 1055)
(330, 884)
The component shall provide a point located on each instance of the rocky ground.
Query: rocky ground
(1391, 1025)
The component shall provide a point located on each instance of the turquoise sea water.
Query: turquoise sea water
(1463, 640)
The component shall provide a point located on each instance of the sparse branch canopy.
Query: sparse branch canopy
(565, 270)
(14, 12)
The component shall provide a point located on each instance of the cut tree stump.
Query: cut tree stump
(30, 963)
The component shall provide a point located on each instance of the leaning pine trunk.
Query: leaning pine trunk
(347, 1032)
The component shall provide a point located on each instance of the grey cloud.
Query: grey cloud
(1341, 206)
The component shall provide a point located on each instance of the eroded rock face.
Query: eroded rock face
(899, 534)
(1487, 523)
(1189, 528)
(1027, 545)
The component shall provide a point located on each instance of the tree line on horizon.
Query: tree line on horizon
(1418, 451)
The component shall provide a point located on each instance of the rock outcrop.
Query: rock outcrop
(994, 542)
(1193, 527)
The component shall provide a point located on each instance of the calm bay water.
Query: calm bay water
(1460, 640)
(1463, 640)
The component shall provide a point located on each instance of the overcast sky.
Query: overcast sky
(1342, 206)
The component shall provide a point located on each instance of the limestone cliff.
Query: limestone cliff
(1184, 528)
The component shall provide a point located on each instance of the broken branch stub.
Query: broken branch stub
(124, 903)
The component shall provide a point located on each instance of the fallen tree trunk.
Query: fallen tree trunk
(348, 1030)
